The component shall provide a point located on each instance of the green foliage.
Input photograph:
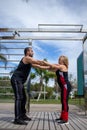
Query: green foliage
(5, 81)
(5, 86)
(49, 91)
(35, 87)
(3, 57)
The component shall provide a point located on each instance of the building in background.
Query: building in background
(85, 69)
(80, 75)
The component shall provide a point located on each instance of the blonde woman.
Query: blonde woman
(61, 70)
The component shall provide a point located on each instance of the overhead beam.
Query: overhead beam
(60, 25)
(44, 30)
(40, 38)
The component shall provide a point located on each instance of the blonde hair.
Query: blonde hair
(64, 59)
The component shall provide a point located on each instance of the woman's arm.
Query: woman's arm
(40, 67)
(55, 67)
(52, 66)
(43, 67)
(52, 70)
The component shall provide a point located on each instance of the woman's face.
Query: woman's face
(61, 61)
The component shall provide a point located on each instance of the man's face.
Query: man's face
(30, 52)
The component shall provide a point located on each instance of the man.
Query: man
(18, 79)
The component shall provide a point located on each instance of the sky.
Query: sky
(30, 13)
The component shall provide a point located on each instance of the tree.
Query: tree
(48, 75)
(2, 57)
(40, 73)
(44, 75)
(73, 81)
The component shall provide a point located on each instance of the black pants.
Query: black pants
(20, 98)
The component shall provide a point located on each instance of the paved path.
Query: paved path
(38, 107)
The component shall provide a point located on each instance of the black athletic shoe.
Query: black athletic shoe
(58, 119)
(20, 122)
(26, 118)
(61, 122)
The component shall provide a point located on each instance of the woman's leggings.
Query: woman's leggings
(64, 97)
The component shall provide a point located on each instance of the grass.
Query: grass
(53, 101)
(75, 101)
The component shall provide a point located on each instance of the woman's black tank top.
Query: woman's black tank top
(62, 78)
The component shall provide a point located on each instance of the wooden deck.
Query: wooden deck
(44, 121)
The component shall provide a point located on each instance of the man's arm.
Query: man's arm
(28, 59)
(40, 67)
(43, 67)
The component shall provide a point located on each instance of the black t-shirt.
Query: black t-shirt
(22, 72)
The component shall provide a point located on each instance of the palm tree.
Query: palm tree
(44, 75)
(2, 57)
(40, 73)
(48, 75)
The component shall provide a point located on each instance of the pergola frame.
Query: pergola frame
(16, 34)
(45, 28)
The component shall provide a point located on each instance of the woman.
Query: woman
(61, 70)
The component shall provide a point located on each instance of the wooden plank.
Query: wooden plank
(57, 115)
(46, 125)
(51, 123)
(41, 120)
(2, 119)
(83, 122)
(57, 127)
(78, 122)
(12, 126)
(6, 122)
(30, 124)
(36, 123)
(69, 126)
(73, 123)
(62, 126)
(24, 126)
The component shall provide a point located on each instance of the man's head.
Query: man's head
(28, 51)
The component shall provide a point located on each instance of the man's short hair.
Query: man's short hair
(26, 49)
